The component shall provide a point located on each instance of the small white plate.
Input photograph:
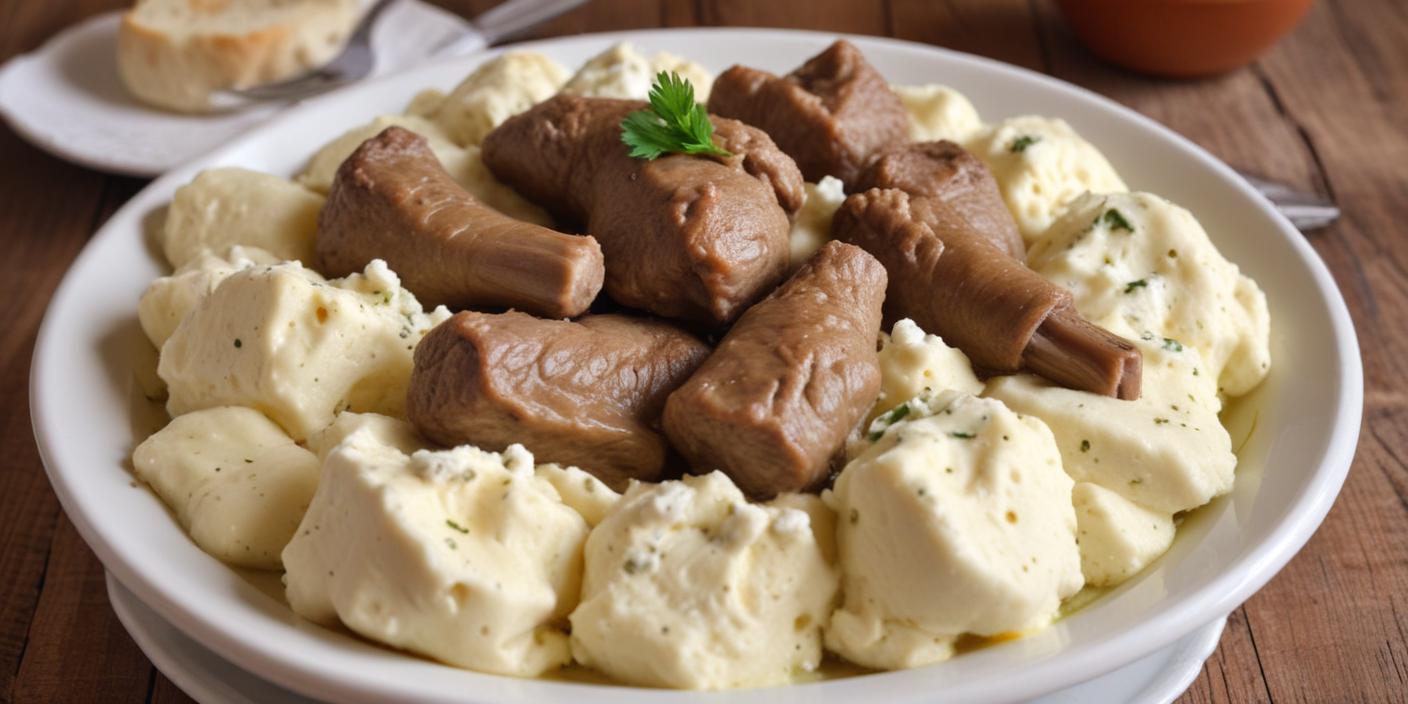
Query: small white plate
(67, 99)
(1305, 416)
(210, 679)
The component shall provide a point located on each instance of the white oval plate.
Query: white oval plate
(1305, 416)
(210, 679)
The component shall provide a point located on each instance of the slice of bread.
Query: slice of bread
(174, 53)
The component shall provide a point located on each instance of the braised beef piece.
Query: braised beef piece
(956, 284)
(587, 393)
(949, 189)
(686, 237)
(777, 398)
(392, 200)
(832, 115)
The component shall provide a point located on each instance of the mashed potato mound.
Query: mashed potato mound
(624, 73)
(1143, 267)
(460, 555)
(913, 362)
(230, 206)
(690, 586)
(499, 89)
(811, 229)
(278, 339)
(939, 112)
(956, 520)
(236, 482)
(1041, 165)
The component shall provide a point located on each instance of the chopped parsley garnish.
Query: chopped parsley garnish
(673, 124)
(1116, 220)
(891, 417)
(238, 344)
(1142, 283)
(1160, 421)
(962, 436)
(1172, 345)
(1020, 144)
(456, 526)
(1085, 446)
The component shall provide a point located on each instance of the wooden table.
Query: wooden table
(1326, 110)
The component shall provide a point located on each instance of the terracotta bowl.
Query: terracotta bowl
(1182, 38)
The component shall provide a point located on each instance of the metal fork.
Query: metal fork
(357, 59)
(1307, 211)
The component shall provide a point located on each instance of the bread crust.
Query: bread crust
(179, 70)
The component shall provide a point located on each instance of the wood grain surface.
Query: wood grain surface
(1326, 110)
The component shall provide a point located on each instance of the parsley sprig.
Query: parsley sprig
(673, 124)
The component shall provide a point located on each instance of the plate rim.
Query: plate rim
(1216, 596)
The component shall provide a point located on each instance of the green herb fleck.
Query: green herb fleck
(451, 543)
(1020, 144)
(238, 344)
(673, 124)
(962, 436)
(1172, 345)
(1142, 283)
(1085, 446)
(1136, 481)
(891, 417)
(1160, 421)
(855, 516)
(456, 526)
(1116, 220)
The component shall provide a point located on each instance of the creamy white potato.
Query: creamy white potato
(690, 586)
(235, 481)
(229, 206)
(460, 555)
(168, 299)
(499, 89)
(385, 430)
(1143, 267)
(1169, 457)
(956, 520)
(912, 362)
(622, 72)
(277, 339)
(1041, 164)
(1118, 537)
(425, 103)
(586, 494)
(811, 228)
(939, 112)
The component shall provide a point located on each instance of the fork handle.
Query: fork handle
(516, 16)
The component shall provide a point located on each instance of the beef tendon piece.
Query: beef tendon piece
(1079, 354)
(686, 237)
(587, 393)
(949, 189)
(392, 200)
(1004, 316)
(832, 115)
(776, 400)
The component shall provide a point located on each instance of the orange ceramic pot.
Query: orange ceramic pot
(1182, 38)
